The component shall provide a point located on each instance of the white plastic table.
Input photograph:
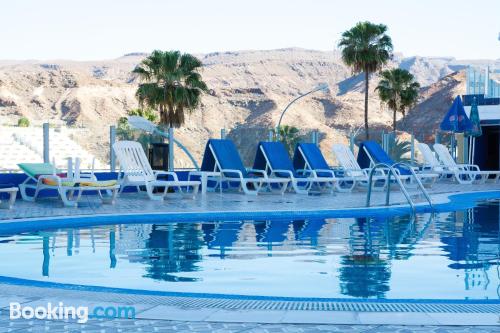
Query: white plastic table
(9, 203)
(204, 175)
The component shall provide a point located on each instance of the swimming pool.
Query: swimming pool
(451, 255)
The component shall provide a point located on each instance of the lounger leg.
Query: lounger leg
(10, 202)
(458, 177)
(344, 189)
(196, 188)
(109, 199)
(300, 190)
(151, 195)
(24, 195)
(247, 190)
(65, 200)
(284, 187)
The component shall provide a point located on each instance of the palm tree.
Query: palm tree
(366, 48)
(399, 150)
(398, 90)
(289, 136)
(146, 113)
(171, 84)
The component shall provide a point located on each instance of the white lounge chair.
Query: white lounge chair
(351, 168)
(430, 160)
(463, 173)
(222, 156)
(45, 176)
(136, 171)
(11, 192)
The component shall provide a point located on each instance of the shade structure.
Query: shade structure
(456, 119)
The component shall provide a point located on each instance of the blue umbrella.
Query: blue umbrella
(456, 121)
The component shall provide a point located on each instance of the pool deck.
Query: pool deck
(216, 206)
(208, 314)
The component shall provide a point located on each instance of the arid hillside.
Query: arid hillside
(249, 89)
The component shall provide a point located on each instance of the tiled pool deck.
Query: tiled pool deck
(170, 314)
(215, 203)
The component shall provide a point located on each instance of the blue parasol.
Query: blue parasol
(456, 121)
(476, 130)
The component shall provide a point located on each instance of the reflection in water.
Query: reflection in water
(347, 257)
(112, 245)
(221, 235)
(46, 256)
(471, 242)
(365, 272)
(172, 249)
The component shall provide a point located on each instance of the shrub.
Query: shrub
(23, 122)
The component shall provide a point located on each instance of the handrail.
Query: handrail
(387, 197)
(419, 183)
(392, 171)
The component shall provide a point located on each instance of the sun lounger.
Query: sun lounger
(136, 171)
(273, 158)
(463, 173)
(222, 156)
(309, 158)
(10, 192)
(351, 168)
(430, 160)
(372, 151)
(44, 176)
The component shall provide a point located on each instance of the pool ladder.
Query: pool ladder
(392, 171)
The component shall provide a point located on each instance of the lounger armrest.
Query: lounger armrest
(316, 171)
(287, 172)
(166, 173)
(378, 172)
(238, 172)
(469, 167)
(304, 172)
(258, 172)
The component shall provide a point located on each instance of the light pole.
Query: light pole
(322, 86)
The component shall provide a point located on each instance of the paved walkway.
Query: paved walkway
(132, 203)
(121, 325)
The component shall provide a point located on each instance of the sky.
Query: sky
(107, 29)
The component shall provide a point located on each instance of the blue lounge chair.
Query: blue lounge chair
(371, 153)
(308, 157)
(273, 158)
(222, 156)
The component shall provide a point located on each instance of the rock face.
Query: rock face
(435, 100)
(248, 91)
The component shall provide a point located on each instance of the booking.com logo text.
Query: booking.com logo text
(64, 312)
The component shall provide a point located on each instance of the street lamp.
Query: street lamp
(322, 86)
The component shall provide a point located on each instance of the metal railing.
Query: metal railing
(392, 171)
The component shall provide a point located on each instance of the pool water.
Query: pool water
(451, 255)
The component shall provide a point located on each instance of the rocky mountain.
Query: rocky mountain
(248, 91)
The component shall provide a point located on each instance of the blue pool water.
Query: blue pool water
(451, 255)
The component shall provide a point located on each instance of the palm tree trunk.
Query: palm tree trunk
(367, 78)
(394, 120)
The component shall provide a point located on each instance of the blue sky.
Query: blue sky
(91, 29)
